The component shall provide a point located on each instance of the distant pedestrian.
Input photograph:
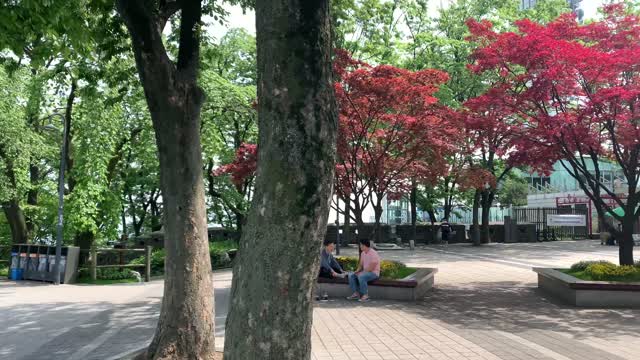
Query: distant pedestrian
(445, 229)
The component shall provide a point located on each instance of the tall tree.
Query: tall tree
(579, 102)
(277, 265)
(186, 325)
(389, 119)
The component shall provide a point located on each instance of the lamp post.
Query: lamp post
(63, 159)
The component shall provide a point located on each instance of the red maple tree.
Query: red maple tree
(576, 90)
(243, 166)
(392, 131)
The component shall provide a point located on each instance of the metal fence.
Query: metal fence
(538, 216)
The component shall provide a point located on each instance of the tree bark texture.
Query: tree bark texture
(278, 261)
(17, 222)
(186, 325)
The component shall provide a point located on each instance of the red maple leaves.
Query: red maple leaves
(392, 128)
(243, 166)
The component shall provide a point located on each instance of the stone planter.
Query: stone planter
(411, 288)
(583, 293)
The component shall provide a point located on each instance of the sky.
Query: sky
(246, 20)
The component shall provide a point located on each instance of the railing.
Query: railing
(94, 266)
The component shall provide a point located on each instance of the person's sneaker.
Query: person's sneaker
(353, 297)
(364, 299)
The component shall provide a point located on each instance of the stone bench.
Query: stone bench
(411, 288)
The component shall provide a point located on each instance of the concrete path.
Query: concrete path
(485, 306)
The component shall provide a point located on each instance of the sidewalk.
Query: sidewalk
(485, 306)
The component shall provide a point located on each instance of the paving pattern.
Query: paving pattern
(485, 306)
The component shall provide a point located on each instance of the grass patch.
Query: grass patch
(87, 280)
(4, 271)
(400, 273)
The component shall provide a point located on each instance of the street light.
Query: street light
(63, 159)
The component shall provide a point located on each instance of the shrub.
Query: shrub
(388, 269)
(157, 261)
(604, 271)
(582, 265)
(217, 252)
(108, 274)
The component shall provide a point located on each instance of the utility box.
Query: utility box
(36, 262)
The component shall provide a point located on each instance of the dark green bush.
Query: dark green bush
(582, 265)
(108, 274)
(157, 262)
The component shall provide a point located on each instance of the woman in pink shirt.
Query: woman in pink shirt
(368, 270)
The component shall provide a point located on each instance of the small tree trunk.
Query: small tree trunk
(32, 195)
(486, 200)
(277, 265)
(17, 222)
(347, 221)
(432, 216)
(625, 243)
(376, 235)
(414, 211)
(475, 227)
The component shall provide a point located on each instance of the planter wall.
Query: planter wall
(411, 288)
(600, 294)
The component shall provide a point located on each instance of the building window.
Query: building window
(540, 182)
(527, 4)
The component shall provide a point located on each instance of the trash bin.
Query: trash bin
(16, 274)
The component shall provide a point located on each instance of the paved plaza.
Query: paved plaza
(485, 306)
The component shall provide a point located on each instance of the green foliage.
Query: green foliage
(513, 192)
(157, 261)
(217, 251)
(108, 274)
(612, 272)
(583, 265)
(388, 269)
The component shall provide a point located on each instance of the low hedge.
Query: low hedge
(108, 274)
(602, 270)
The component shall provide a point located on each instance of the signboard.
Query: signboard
(566, 220)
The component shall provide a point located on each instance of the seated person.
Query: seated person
(368, 270)
(329, 266)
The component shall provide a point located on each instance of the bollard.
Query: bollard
(412, 245)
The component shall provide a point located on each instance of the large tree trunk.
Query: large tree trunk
(475, 227)
(17, 222)
(278, 261)
(186, 325)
